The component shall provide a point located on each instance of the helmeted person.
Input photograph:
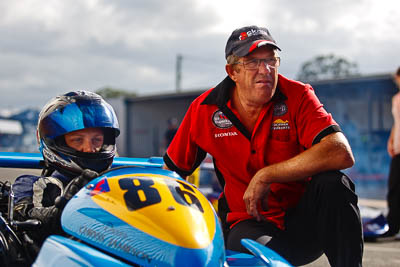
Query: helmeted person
(76, 134)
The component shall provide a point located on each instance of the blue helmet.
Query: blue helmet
(71, 112)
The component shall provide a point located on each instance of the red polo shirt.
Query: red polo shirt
(291, 122)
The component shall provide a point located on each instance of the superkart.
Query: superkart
(135, 214)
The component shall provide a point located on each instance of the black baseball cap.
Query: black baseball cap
(244, 40)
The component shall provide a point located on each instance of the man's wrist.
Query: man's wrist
(264, 176)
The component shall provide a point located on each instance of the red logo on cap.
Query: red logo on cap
(243, 36)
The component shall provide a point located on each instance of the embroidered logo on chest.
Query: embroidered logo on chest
(220, 120)
(280, 109)
(219, 135)
(280, 124)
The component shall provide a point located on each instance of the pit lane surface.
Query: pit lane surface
(376, 254)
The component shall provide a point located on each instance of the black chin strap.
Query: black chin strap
(47, 171)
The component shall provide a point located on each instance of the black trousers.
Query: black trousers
(393, 196)
(326, 220)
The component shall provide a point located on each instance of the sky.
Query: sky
(51, 47)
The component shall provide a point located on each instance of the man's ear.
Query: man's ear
(230, 70)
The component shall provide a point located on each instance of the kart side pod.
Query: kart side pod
(146, 216)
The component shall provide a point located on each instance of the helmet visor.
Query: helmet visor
(77, 115)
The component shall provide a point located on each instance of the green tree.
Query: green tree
(108, 92)
(324, 67)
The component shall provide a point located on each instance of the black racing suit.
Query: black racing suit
(34, 198)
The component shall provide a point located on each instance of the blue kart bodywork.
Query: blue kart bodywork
(140, 214)
(61, 251)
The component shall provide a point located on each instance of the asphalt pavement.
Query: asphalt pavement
(376, 254)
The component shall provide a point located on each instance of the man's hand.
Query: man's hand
(390, 144)
(256, 196)
(333, 152)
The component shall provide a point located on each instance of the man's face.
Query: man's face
(86, 140)
(257, 86)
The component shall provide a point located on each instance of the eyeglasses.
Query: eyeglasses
(254, 64)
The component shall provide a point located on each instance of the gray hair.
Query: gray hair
(232, 59)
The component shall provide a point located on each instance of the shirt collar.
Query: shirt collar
(221, 94)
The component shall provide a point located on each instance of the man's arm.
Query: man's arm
(390, 144)
(395, 134)
(333, 152)
(165, 167)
